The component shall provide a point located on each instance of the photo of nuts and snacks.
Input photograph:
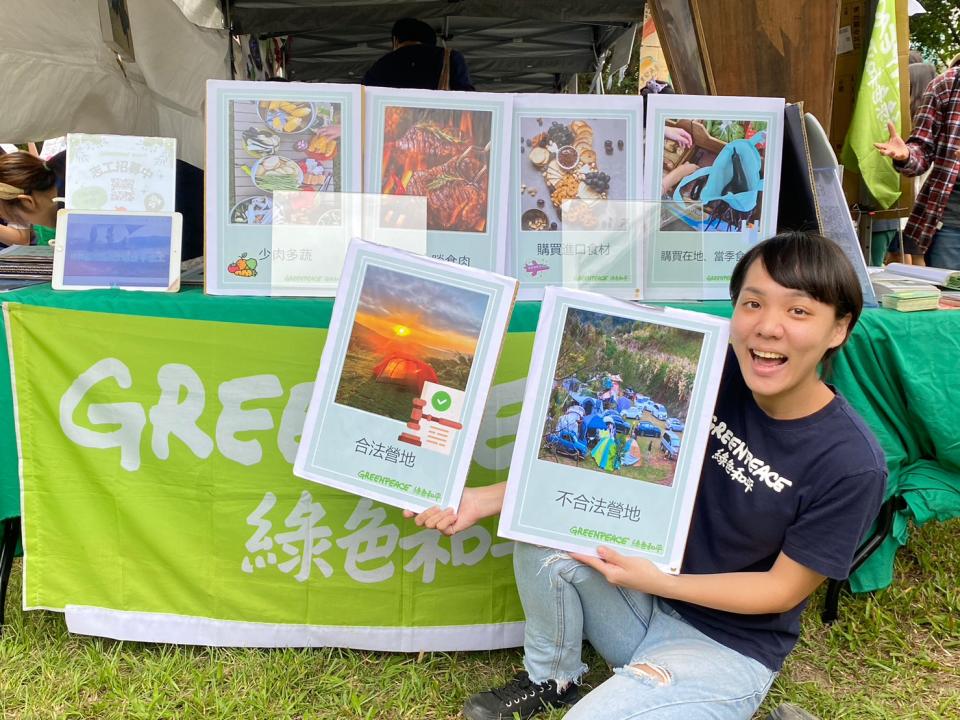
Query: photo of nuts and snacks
(281, 144)
(569, 159)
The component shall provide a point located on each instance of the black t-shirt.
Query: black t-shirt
(418, 66)
(810, 487)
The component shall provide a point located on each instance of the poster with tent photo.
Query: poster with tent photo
(613, 426)
(450, 147)
(715, 161)
(409, 358)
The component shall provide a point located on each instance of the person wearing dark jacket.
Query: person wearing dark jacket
(417, 62)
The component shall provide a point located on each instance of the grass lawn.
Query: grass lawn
(895, 654)
(652, 468)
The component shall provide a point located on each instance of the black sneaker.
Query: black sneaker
(789, 711)
(518, 698)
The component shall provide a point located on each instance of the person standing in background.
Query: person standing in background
(417, 62)
(934, 225)
(890, 232)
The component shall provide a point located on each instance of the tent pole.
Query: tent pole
(227, 20)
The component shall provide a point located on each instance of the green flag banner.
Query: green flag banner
(159, 504)
(878, 102)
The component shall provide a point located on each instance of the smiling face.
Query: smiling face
(779, 336)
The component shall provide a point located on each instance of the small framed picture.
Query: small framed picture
(121, 172)
(128, 250)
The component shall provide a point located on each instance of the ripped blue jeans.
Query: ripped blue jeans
(664, 667)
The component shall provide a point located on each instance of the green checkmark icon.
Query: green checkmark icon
(441, 401)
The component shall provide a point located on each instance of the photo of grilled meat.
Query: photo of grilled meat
(456, 192)
(443, 155)
(431, 142)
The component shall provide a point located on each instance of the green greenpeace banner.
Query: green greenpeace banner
(878, 102)
(158, 501)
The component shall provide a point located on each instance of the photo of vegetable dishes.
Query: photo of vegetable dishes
(281, 145)
(256, 210)
(286, 116)
(274, 173)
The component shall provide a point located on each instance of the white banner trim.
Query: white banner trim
(188, 630)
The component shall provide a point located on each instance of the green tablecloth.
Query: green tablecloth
(899, 371)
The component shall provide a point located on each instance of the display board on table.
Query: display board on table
(619, 467)
(582, 149)
(405, 373)
(495, 171)
(264, 138)
(452, 148)
(832, 211)
(724, 153)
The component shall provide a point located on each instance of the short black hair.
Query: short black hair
(411, 29)
(809, 262)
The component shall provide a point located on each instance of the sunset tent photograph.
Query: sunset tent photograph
(408, 331)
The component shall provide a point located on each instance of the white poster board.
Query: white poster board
(264, 138)
(584, 150)
(609, 446)
(408, 361)
(121, 172)
(724, 155)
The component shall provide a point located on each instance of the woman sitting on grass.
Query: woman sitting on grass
(708, 643)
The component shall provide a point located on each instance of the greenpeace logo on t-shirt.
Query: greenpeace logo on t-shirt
(736, 452)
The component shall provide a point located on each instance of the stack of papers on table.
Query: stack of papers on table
(950, 300)
(885, 283)
(936, 276)
(911, 300)
(27, 263)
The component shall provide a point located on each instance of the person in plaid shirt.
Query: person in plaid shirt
(934, 224)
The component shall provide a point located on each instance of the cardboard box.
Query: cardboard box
(849, 68)
(653, 63)
(853, 16)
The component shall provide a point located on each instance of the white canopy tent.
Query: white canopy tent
(510, 45)
(60, 77)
